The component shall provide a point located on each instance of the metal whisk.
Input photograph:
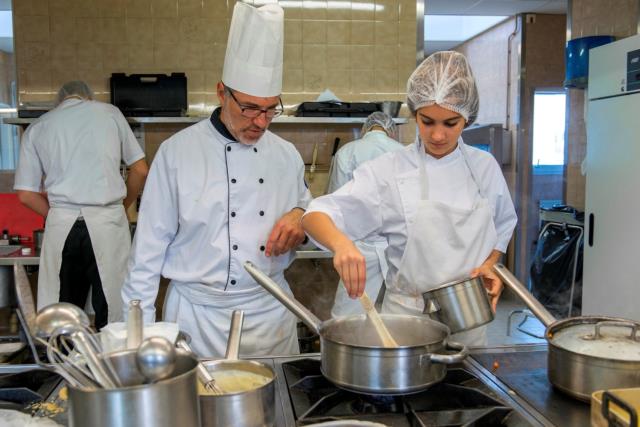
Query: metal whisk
(204, 375)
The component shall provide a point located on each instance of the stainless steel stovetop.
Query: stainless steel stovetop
(474, 393)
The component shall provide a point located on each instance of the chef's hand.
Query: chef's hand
(351, 266)
(491, 281)
(286, 234)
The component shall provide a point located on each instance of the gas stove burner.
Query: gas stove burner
(377, 404)
(459, 400)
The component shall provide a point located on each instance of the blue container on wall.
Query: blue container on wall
(577, 59)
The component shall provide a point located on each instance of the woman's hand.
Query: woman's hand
(351, 266)
(491, 281)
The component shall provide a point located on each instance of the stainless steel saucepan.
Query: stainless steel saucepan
(352, 354)
(461, 305)
(586, 353)
(242, 405)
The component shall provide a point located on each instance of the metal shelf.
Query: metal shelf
(284, 120)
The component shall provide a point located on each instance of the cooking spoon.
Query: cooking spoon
(156, 358)
(381, 329)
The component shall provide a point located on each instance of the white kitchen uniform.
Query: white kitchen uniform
(78, 148)
(208, 206)
(373, 144)
(385, 197)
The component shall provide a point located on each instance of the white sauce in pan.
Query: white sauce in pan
(235, 381)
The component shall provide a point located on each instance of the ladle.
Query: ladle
(156, 358)
(57, 315)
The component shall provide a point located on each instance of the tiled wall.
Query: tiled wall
(360, 49)
(590, 18)
(487, 53)
(7, 75)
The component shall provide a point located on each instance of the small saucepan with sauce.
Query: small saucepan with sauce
(248, 388)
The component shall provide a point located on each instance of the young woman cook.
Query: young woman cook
(444, 207)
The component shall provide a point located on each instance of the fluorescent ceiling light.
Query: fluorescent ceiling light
(6, 24)
(457, 27)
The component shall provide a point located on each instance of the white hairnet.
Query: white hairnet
(77, 88)
(384, 121)
(444, 78)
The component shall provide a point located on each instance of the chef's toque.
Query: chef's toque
(253, 61)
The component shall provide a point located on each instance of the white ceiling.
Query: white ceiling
(485, 8)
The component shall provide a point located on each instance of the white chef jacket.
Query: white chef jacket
(77, 173)
(383, 196)
(373, 144)
(209, 205)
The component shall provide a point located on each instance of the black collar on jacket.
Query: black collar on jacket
(220, 127)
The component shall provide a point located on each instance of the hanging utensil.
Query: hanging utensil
(314, 157)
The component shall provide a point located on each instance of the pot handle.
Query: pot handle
(310, 319)
(597, 335)
(516, 286)
(430, 304)
(606, 398)
(449, 359)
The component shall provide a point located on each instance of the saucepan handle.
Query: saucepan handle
(516, 286)
(430, 304)
(310, 319)
(449, 359)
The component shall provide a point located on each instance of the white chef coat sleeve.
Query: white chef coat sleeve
(29, 172)
(504, 213)
(340, 172)
(131, 150)
(355, 208)
(156, 229)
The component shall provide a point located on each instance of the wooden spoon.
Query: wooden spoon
(381, 329)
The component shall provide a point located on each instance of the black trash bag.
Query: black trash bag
(552, 271)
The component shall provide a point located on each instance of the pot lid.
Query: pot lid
(615, 340)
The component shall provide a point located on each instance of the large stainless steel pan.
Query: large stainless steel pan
(586, 353)
(352, 355)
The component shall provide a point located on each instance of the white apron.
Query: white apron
(445, 243)
(204, 313)
(111, 240)
(373, 252)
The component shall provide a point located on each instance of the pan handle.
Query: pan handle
(534, 305)
(235, 331)
(309, 319)
(449, 359)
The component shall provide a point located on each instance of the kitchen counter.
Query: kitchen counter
(17, 257)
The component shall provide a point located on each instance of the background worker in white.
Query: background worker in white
(379, 136)
(77, 148)
(221, 192)
(444, 207)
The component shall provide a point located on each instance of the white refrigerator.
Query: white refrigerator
(611, 276)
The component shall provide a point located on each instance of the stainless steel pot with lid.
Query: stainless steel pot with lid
(586, 353)
(461, 305)
(352, 355)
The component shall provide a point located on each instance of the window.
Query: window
(549, 110)
(8, 133)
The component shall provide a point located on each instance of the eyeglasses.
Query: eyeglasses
(252, 112)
